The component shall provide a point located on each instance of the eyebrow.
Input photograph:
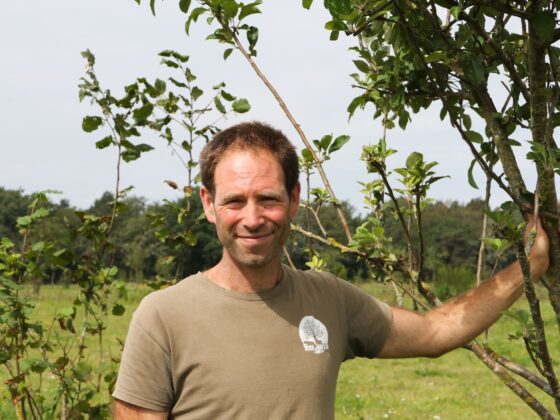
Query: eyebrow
(265, 194)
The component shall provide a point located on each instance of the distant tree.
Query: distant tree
(13, 204)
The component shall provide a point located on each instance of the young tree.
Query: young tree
(451, 56)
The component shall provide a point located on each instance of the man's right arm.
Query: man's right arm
(125, 411)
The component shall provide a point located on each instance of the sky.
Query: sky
(42, 145)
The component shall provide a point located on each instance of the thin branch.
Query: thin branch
(521, 371)
(292, 120)
(393, 198)
(288, 258)
(454, 122)
(315, 214)
(328, 241)
(506, 61)
(541, 342)
(510, 382)
(409, 293)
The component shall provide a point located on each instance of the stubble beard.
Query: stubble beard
(244, 257)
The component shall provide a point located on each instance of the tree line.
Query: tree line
(148, 241)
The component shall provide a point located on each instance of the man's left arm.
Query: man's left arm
(461, 319)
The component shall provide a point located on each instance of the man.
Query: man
(253, 339)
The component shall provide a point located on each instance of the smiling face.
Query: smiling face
(250, 208)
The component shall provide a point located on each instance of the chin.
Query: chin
(253, 261)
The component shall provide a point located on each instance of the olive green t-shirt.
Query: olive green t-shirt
(199, 351)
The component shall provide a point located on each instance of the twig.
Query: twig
(541, 342)
(520, 370)
(292, 120)
(328, 241)
(289, 259)
(311, 210)
(452, 118)
(509, 381)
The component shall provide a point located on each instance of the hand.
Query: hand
(539, 250)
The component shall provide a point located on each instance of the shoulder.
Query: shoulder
(164, 303)
(311, 276)
(321, 284)
(320, 279)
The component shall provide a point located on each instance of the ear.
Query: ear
(294, 200)
(206, 199)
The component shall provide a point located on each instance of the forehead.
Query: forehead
(248, 167)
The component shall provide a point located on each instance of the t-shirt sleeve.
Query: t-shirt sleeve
(144, 377)
(368, 320)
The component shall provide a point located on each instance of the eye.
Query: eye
(232, 202)
(270, 200)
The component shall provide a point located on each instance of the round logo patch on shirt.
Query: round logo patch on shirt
(314, 335)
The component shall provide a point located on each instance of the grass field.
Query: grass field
(455, 386)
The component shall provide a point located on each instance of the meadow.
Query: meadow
(455, 386)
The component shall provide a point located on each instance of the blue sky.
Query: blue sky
(43, 147)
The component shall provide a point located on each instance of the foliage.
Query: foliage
(410, 56)
(31, 349)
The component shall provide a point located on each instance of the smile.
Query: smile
(254, 239)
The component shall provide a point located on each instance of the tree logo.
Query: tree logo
(314, 335)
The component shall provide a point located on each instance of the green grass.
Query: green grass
(455, 386)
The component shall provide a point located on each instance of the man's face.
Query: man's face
(251, 207)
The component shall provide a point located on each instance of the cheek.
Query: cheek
(228, 217)
(278, 214)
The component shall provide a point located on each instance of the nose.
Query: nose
(252, 219)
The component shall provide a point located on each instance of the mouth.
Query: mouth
(254, 239)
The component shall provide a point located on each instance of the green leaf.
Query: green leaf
(142, 113)
(24, 221)
(227, 53)
(474, 70)
(467, 122)
(196, 92)
(472, 182)
(362, 66)
(227, 96)
(544, 23)
(249, 9)
(82, 370)
(473, 136)
(306, 4)
(159, 86)
(455, 10)
(38, 246)
(252, 37)
(153, 6)
(193, 17)
(230, 8)
(68, 312)
(414, 159)
(91, 123)
(307, 155)
(143, 147)
(338, 143)
(104, 142)
(170, 63)
(130, 155)
(118, 310)
(219, 106)
(184, 5)
(89, 57)
(241, 106)
(339, 7)
(356, 102)
(324, 143)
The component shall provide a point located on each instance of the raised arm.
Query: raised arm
(463, 318)
(126, 411)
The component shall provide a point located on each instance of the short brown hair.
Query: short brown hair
(250, 135)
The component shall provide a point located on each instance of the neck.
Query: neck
(232, 276)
